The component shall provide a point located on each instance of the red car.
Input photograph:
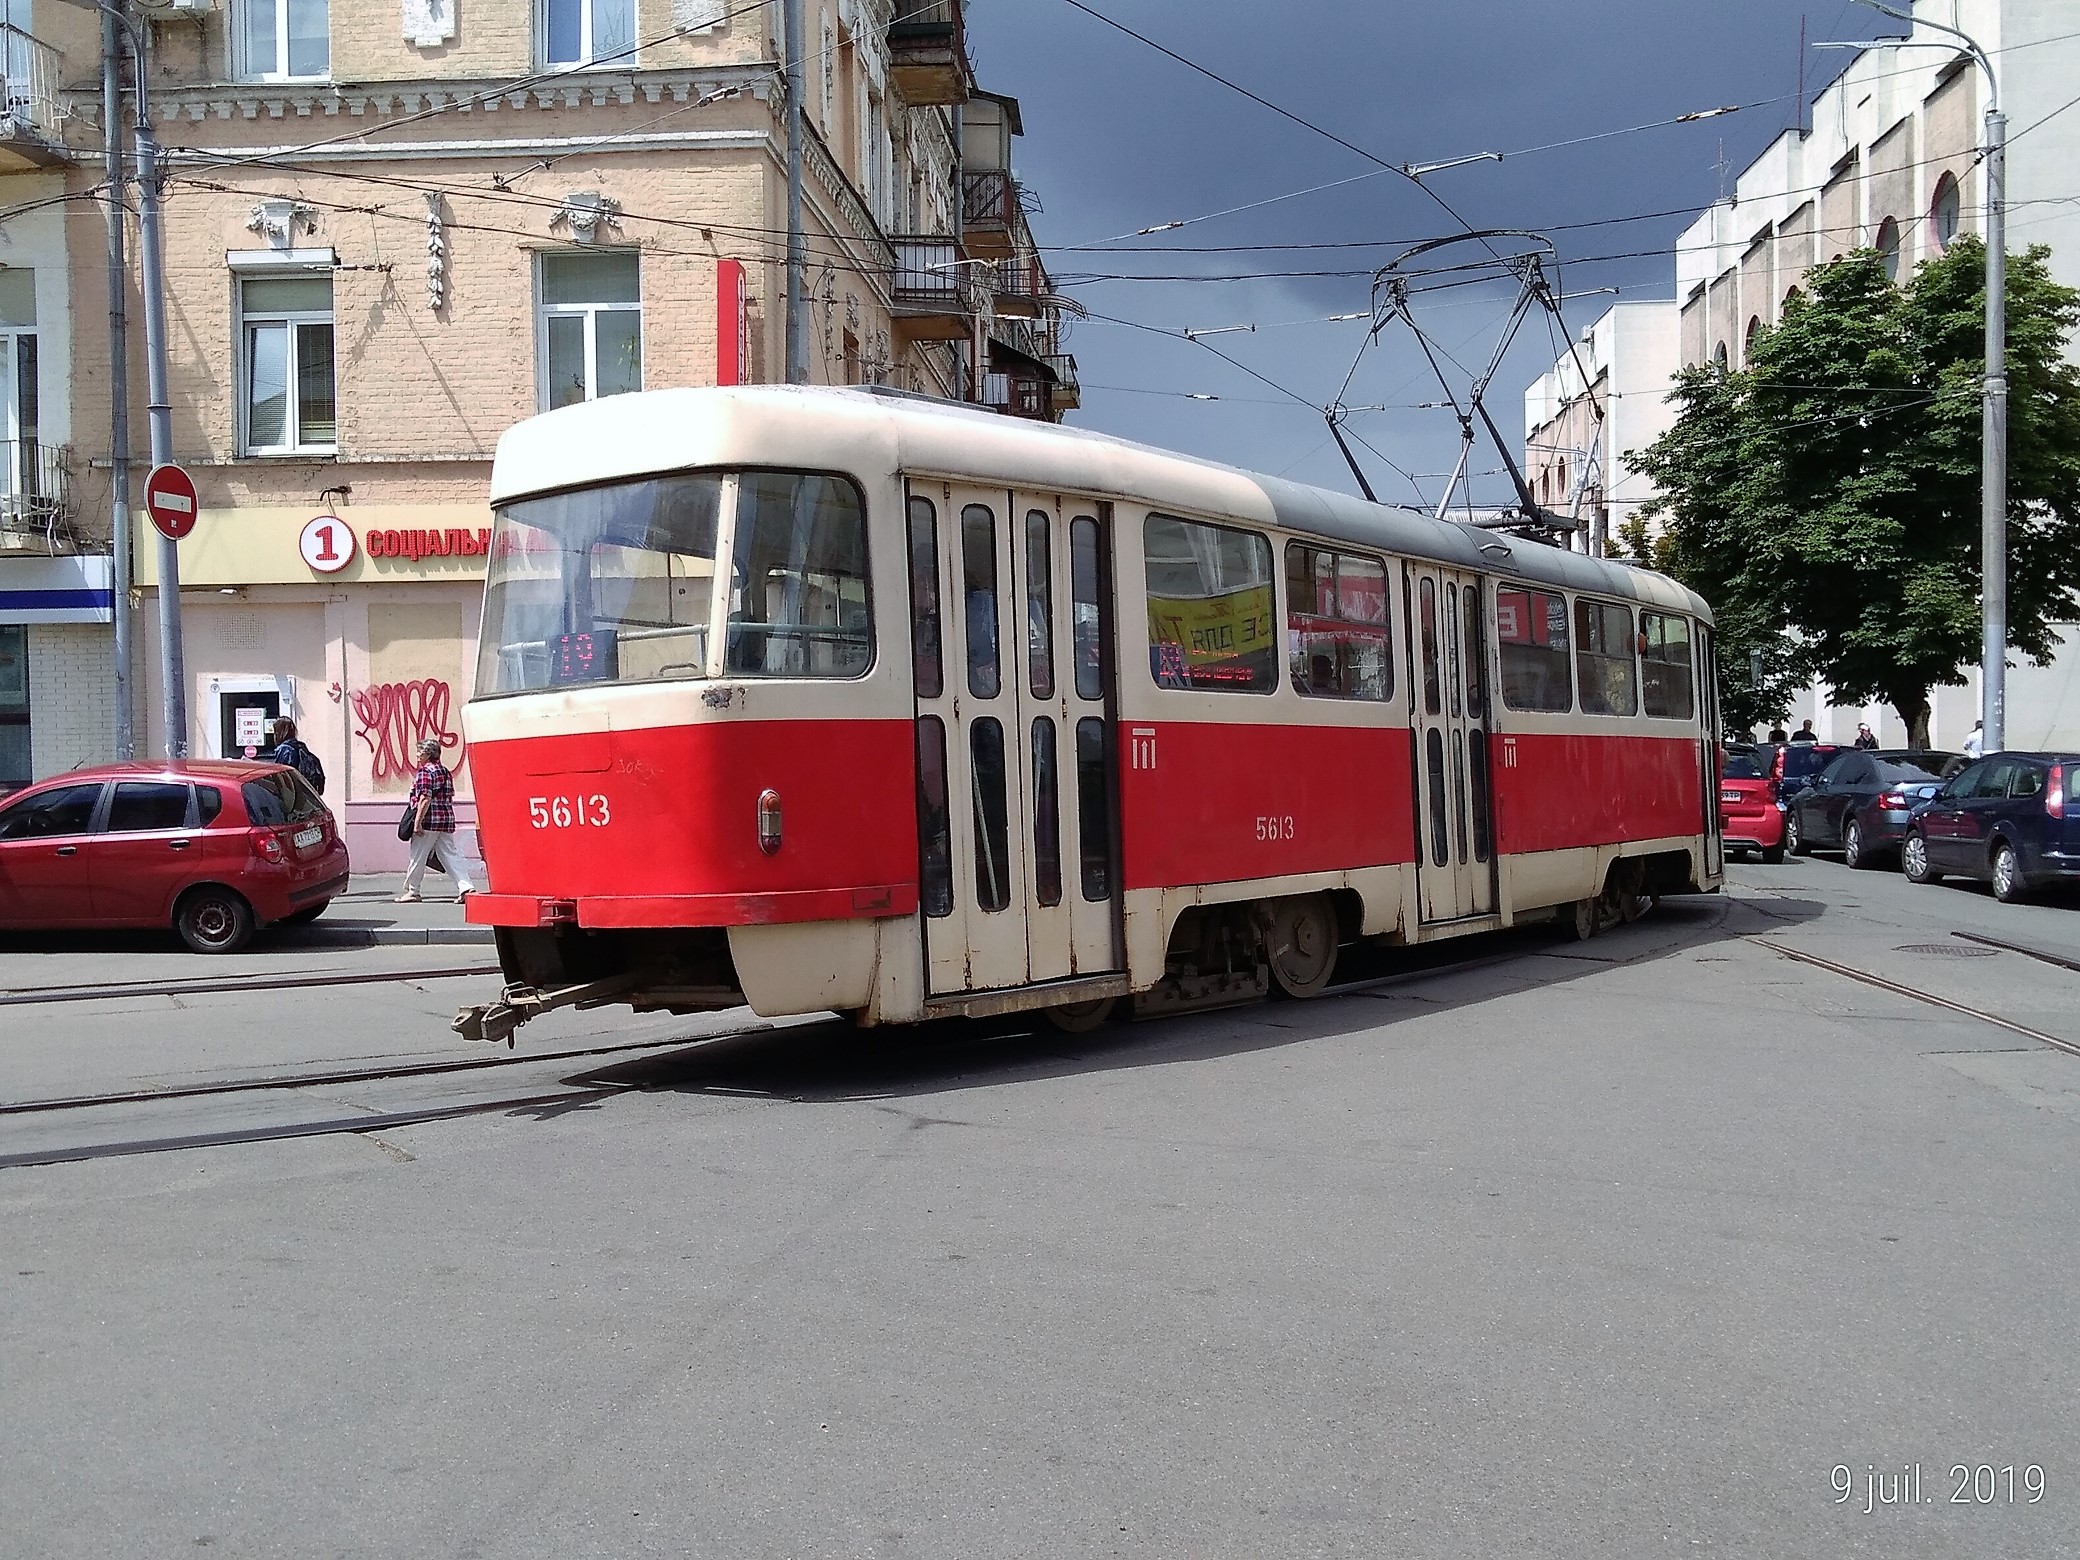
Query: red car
(1751, 813)
(213, 849)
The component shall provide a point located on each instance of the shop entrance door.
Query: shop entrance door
(1015, 745)
(1449, 701)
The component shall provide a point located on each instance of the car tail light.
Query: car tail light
(1894, 800)
(269, 845)
(2055, 792)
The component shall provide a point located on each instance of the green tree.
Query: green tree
(1825, 498)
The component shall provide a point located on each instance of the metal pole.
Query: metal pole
(1993, 495)
(173, 674)
(118, 376)
(797, 250)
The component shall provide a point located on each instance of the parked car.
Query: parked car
(1751, 815)
(1792, 765)
(2010, 819)
(210, 848)
(1861, 801)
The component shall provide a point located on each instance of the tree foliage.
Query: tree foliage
(1825, 498)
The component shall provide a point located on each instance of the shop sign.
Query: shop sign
(454, 542)
(327, 544)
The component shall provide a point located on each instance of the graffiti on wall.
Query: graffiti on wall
(396, 717)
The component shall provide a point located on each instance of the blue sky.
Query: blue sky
(1119, 138)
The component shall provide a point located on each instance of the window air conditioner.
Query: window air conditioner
(185, 7)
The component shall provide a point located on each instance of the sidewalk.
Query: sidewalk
(365, 917)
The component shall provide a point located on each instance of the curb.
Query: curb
(392, 937)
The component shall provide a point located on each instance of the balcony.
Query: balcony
(928, 52)
(29, 88)
(933, 289)
(991, 217)
(1068, 389)
(1020, 286)
(35, 498)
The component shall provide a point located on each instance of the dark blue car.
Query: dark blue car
(2009, 819)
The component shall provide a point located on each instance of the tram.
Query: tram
(825, 699)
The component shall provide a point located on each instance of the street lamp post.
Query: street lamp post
(1993, 486)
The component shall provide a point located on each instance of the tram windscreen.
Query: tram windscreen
(617, 583)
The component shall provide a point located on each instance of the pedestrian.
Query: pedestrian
(1805, 732)
(1776, 733)
(1975, 744)
(433, 826)
(289, 751)
(1864, 738)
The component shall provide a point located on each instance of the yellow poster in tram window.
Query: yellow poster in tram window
(1213, 629)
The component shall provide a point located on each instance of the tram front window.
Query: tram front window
(617, 583)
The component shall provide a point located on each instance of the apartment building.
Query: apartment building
(1601, 400)
(394, 230)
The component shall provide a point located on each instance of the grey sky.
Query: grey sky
(1119, 138)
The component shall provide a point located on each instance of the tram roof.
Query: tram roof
(881, 433)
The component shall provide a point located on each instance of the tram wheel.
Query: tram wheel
(1080, 1018)
(1302, 944)
(1582, 918)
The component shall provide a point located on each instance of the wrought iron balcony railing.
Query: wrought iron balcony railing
(29, 83)
(35, 494)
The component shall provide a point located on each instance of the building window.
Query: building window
(21, 468)
(280, 40)
(592, 326)
(1719, 357)
(286, 322)
(1748, 338)
(16, 767)
(587, 32)
(1945, 212)
(1888, 247)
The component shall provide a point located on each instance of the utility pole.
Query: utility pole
(118, 375)
(797, 250)
(1993, 476)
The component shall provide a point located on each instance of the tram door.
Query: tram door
(1455, 867)
(1010, 595)
(1708, 707)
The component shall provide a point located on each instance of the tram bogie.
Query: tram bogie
(839, 700)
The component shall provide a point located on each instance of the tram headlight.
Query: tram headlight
(769, 821)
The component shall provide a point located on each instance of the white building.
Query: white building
(1890, 161)
(1600, 402)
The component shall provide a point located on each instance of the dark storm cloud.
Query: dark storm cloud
(1118, 137)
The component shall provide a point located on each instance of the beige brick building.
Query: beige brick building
(393, 228)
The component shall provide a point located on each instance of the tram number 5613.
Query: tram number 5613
(569, 812)
(1276, 827)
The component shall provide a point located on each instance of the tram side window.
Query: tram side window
(1211, 608)
(927, 664)
(1531, 633)
(1604, 659)
(798, 579)
(1667, 685)
(1336, 624)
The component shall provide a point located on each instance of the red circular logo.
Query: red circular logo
(327, 544)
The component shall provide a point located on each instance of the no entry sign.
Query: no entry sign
(169, 499)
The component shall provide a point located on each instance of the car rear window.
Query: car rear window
(1904, 774)
(280, 798)
(1742, 766)
(1805, 758)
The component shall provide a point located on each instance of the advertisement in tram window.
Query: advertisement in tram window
(1519, 619)
(1198, 642)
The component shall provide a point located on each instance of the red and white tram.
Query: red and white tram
(830, 699)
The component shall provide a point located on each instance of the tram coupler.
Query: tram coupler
(492, 1022)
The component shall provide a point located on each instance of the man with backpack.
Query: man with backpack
(296, 755)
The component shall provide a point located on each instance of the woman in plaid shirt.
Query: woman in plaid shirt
(433, 795)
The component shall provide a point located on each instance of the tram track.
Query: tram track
(1930, 998)
(582, 1090)
(118, 990)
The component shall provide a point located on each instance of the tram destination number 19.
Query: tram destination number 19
(569, 812)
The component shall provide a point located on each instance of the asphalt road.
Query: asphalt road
(1643, 1246)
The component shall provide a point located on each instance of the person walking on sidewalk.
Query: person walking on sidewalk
(433, 827)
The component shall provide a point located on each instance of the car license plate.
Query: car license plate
(305, 838)
(1729, 796)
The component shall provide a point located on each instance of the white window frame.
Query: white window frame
(244, 68)
(622, 60)
(262, 266)
(544, 311)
